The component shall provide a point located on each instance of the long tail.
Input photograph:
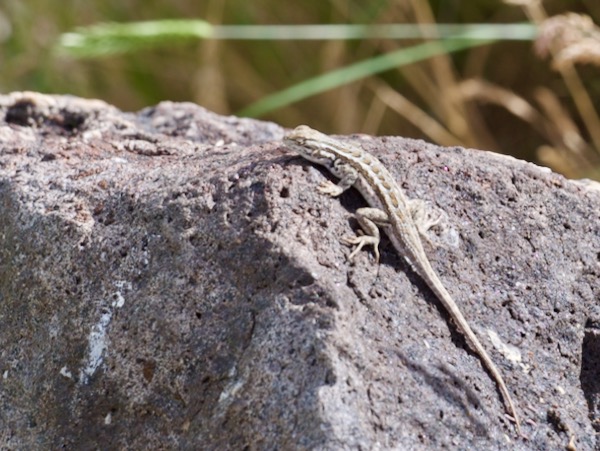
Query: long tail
(437, 287)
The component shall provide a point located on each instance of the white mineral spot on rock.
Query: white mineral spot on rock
(509, 351)
(96, 347)
(119, 300)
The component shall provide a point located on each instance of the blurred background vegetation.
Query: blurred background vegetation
(511, 96)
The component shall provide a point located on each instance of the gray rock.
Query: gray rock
(172, 279)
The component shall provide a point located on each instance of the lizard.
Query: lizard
(395, 213)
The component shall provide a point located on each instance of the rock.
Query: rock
(172, 279)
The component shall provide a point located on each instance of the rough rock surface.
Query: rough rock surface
(172, 279)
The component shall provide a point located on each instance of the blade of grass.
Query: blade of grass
(523, 31)
(115, 38)
(357, 71)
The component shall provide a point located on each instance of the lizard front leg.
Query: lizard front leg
(368, 218)
(347, 175)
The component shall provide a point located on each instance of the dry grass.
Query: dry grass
(497, 97)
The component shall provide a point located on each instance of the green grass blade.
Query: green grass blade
(357, 71)
(522, 31)
(115, 38)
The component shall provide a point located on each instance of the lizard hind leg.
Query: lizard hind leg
(368, 219)
(425, 216)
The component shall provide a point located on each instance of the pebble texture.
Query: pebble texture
(171, 279)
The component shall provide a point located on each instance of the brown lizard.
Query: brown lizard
(390, 209)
